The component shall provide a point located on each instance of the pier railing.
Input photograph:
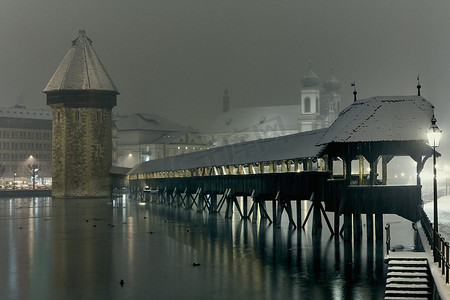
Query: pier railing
(441, 255)
(388, 238)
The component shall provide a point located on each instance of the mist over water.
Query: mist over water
(81, 249)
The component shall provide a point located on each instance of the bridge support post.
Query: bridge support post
(213, 199)
(299, 212)
(347, 227)
(188, 200)
(280, 208)
(369, 224)
(379, 226)
(166, 196)
(200, 202)
(337, 226)
(274, 210)
(317, 218)
(289, 213)
(262, 209)
(244, 207)
(357, 227)
(255, 210)
(229, 208)
(177, 198)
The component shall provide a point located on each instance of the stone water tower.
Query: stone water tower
(81, 95)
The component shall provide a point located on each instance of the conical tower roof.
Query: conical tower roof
(81, 70)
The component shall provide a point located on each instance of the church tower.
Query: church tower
(332, 98)
(81, 95)
(310, 118)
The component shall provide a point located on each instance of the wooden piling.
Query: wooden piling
(357, 227)
(299, 212)
(200, 203)
(213, 201)
(274, 210)
(379, 226)
(229, 208)
(369, 226)
(188, 200)
(336, 224)
(244, 207)
(317, 220)
(255, 210)
(347, 227)
(279, 211)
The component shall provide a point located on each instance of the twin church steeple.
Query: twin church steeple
(314, 114)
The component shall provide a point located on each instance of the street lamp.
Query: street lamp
(14, 182)
(434, 136)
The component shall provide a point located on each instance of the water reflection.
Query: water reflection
(81, 249)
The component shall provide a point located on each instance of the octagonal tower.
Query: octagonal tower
(81, 95)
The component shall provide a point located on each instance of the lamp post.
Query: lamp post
(434, 136)
(14, 182)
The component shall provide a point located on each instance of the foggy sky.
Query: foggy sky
(176, 57)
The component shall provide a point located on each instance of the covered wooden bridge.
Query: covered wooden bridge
(302, 166)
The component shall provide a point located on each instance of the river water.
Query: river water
(82, 249)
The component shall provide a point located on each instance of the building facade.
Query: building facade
(143, 137)
(81, 95)
(25, 141)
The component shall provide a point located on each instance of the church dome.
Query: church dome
(332, 84)
(310, 79)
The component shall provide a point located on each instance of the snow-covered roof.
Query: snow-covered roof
(257, 119)
(81, 69)
(300, 145)
(381, 118)
(148, 122)
(24, 113)
(116, 170)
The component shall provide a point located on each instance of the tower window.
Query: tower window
(77, 116)
(307, 105)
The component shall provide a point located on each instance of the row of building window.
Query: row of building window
(8, 134)
(24, 146)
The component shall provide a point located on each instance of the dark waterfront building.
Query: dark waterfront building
(81, 95)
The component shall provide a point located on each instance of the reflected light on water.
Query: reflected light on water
(337, 288)
(81, 249)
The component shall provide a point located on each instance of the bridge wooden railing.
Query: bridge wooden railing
(442, 253)
(266, 167)
(291, 185)
(403, 200)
